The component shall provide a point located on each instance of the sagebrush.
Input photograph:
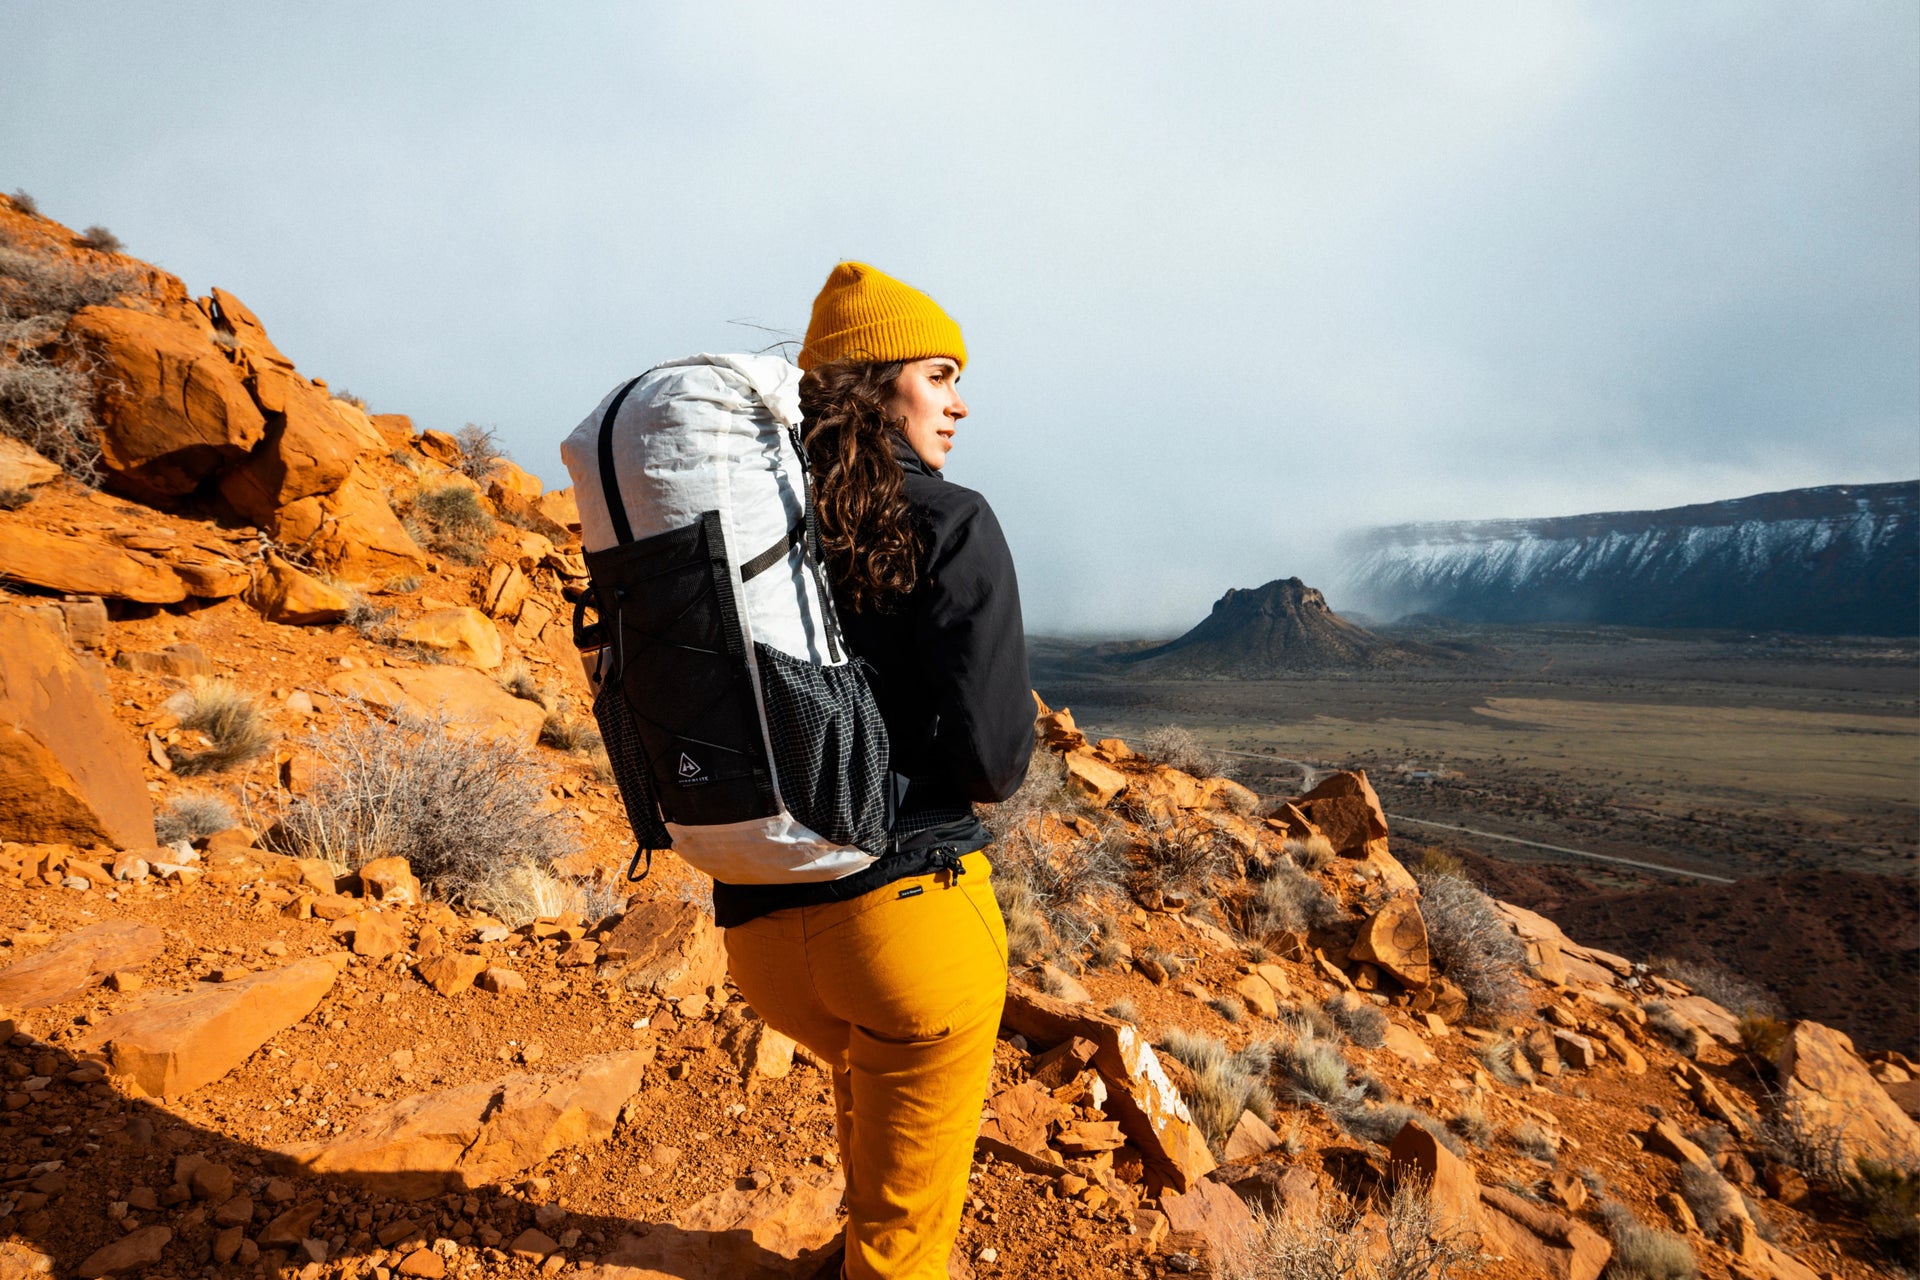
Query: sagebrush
(1471, 944)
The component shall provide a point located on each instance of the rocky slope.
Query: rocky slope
(247, 1044)
(1282, 626)
(1836, 560)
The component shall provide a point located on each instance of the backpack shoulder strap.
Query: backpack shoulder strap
(609, 486)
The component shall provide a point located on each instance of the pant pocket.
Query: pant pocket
(912, 967)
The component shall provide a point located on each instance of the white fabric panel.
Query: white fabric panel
(776, 850)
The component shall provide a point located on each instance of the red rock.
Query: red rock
(451, 973)
(501, 981)
(759, 1050)
(463, 634)
(1055, 730)
(1574, 1049)
(352, 532)
(1407, 1044)
(376, 935)
(1251, 1137)
(174, 1045)
(309, 448)
(180, 661)
(507, 590)
(135, 1251)
(1544, 1243)
(173, 408)
(1258, 995)
(85, 566)
(394, 428)
(78, 962)
(1016, 1123)
(1448, 1181)
(390, 882)
(1208, 1219)
(440, 447)
(1091, 779)
(1823, 1076)
(428, 1264)
(1395, 938)
(291, 1226)
(1140, 1096)
(673, 948)
(293, 598)
(559, 506)
(461, 694)
(461, 1138)
(1287, 1190)
(23, 468)
(782, 1231)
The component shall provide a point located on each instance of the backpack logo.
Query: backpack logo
(690, 769)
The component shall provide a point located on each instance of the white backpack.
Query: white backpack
(741, 732)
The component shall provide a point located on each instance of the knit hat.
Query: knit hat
(864, 314)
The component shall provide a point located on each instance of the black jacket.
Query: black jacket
(949, 667)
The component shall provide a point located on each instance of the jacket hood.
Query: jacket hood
(909, 460)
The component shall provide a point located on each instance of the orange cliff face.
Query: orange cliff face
(235, 1036)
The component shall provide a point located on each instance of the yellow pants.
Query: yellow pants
(899, 991)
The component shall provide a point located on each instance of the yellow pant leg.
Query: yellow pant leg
(918, 971)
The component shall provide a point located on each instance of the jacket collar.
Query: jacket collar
(909, 460)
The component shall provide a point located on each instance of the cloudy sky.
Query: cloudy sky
(1234, 279)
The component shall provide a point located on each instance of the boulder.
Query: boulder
(1274, 1189)
(1258, 995)
(289, 596)
(1092, 779)
(351, 531)
(1055, 730)
(1542, 1242)
(235, 317)
(1708, 1016)
(1016, 1123)
(465, 697)
(782, 1231)
(463, 634)
(1346, 810)
(135, 1251)
(1208, 1219)
(1447, 1180)
(85, 566)
(23, 468)
(451, 973)
(509, 476)
(1395, 938)
(462, 1138)
(1139, 1095)
(506, 592)
(391, 882)
(173, 408)
(180, 661)
(1836, 1094)
(1251, 1137)
(559, 506)
(78, 962)
(308, 450)
(396, 429)
(178, 1043)
(1407, 1045)
(440, 447)
(672, 946)
(69, 772)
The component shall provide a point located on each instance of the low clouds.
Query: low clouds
(1234, 280)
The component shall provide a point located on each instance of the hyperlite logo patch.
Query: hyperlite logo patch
(691, 770)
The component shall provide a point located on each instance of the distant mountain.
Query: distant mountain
(1282, 626)
(1836, 560)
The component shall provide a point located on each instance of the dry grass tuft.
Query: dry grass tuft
(1471, 1123)
(1287, 900)
(1224, 1084)
(1534, 1142)
(230, 719)
(1399, 1239)
(13, 497)
(192, 816)
(1062, 889)
(1642, 1253)
(1358, 1020)
(1315, 853)
(564, 731)
(1125, 1010)
(1682, 1035)
(1507, 1062)
(98, 237)
(1718, 983)
(1177, 748)
(1228, 1007)
(452, 521)
(517, 678)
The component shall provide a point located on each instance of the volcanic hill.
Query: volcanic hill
(317, 961)
(1282, 626)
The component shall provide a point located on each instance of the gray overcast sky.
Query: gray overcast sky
(1234, 279)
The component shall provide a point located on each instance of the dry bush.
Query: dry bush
(1125, 1010)
(48, 288)
(1471, 1123)
(1028, 938)
(464, 810)
(1109, 947)
(1315, 853)
(1228, 1007)
(1788, 1135)
(1762, 1036)
(1533, 1141)
(1642, 1253)
(47, 405)
(347, 397)
(517, 678)
(373, 621)
(1358, 1020)
(403, 584)
(1471, 945)
(1224, 1084)
(192, 816)
(231, 720)
(14, 496)
(1710, 978)
(1506, 1061)
(1317, 1072)
(25, 203)
(1177, 748)
(1383, 1123)
(1887, 1198)
(1170, 964)
(1178, 856)
(1066, 886)
(1711, 1197)
(1042, 791)
(452, 521)
(479, 450)
(564, 731)
(1682, 1035)
(98, 237)
(1400, 1239)
(1288, 900)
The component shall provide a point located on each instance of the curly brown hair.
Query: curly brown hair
(859, 490)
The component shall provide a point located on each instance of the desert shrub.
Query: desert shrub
(1682, 1035)
(1530, 1140)
(1710, 978)
(1172, 965)
(564, 731)
(464, 810)
(455, 523)
(1108, 947)
(1642, 1253)
(517, 678)
(1887, 1198)
(47, 288)
(1027, 935)
(1042, 791)
(479, 450)
(403, 584)
(1288, 900)
(1710, 1138)
(1358, 1020)
(1471, 945)
(47, 405)
(1316, 1071)
(1762, 1036)
(1400, 1239)
(347, 397)
(1471, 1123)
(1506, 1061)
(1315, 853)
(14, 496)
(1787, 1135)
(1170, 856)
(374, 621)
(230, 719)
(192, 816)
(98, 237)
(1177, 748)
(1068, 886)
(1228, 1007)
(1224, 1083)
(25, 203)
(1055, 982)
(1125, 1010)
(1713, 1200)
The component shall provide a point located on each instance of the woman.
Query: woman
(895, 976)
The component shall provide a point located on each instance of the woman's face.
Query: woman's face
(927, 403)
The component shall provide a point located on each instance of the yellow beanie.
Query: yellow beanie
(864, 314)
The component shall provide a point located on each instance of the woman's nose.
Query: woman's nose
(958, 409)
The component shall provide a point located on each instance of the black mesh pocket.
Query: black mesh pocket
(629, 760)
(829, 747)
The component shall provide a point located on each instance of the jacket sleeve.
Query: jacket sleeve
(972, 655)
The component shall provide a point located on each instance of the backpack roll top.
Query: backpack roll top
(740, 731)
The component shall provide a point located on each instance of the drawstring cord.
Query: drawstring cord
(945, 858)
